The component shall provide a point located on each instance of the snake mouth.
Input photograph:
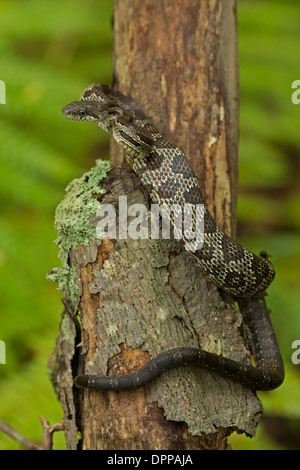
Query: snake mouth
(67, 112)
(79, 111)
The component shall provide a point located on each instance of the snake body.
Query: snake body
(168, 177)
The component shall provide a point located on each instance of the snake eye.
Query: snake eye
(82, 112)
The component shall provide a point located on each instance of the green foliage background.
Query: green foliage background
(49, 52)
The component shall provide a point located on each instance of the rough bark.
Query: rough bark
(141, 297)
(178, 61)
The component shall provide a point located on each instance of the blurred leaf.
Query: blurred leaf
(49, 52)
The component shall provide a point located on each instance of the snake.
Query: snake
(169, 179)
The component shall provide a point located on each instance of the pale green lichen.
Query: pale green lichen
(72, 223)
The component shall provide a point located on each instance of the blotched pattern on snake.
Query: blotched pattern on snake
(168, 177)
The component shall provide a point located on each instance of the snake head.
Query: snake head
(113, 118)
(103, 113)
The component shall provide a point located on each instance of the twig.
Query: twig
(48, 432)
(47, 442)
(7, 429)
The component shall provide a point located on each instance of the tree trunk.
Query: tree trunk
(178, 61)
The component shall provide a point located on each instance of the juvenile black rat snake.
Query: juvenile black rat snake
(168, 177)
